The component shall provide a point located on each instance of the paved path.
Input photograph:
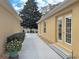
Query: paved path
(34, 48)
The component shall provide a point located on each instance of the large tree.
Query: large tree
(30, 14)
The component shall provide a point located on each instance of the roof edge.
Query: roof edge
(57, 8)
(9, 8)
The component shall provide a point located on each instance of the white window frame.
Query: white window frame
(59, 18)
(68, 16)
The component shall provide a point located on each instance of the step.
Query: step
(61, 52)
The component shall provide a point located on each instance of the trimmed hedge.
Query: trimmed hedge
(16, 36)
(14, 43)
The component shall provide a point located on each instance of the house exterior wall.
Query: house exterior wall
(62, 42)
(9, 24)
(75, 30)
(45, 35)
(51, 34)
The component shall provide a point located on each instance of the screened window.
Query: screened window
(68, 29)
(59, 28)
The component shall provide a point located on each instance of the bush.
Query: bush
(14, 43)
(17, 36)
(13, 46)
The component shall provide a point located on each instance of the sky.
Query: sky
(19, 4)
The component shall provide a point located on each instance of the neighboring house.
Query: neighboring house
(9, 23)
(46, 9)
(60, 28)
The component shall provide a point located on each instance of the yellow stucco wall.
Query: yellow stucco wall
(8, 25)
(51, 34)
(75, 30)
(41, 30)
(53, 29)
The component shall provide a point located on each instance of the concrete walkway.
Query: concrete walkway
(34, 48)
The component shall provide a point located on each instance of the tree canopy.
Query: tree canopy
(30, 14)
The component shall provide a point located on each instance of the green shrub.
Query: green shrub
(16, 36)
(13, 46)
(14, 43)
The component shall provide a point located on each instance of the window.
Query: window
(68, 29)
(59, 28)
(44, 27)
(40, 28)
